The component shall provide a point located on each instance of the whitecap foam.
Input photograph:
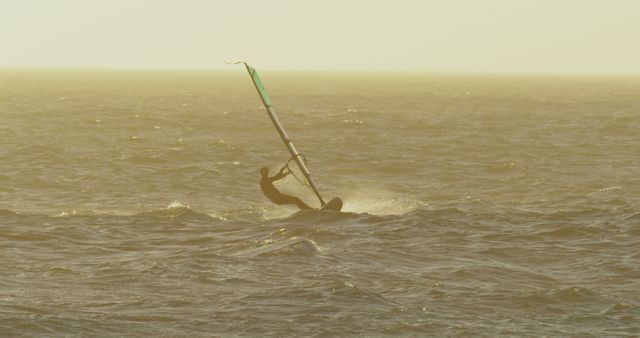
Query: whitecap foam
(379, 202)
(176, 205)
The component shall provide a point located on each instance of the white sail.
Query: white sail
(295, 155)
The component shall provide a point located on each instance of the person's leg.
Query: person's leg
(287, 199)
(301, 205)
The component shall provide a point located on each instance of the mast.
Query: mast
(297, 157)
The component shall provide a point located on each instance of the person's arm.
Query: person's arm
(280, 174)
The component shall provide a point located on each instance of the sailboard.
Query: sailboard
(335, 203)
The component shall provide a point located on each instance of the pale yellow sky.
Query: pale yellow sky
(505, 36)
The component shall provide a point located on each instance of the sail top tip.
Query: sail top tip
(234, 62)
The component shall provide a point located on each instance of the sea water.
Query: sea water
(475, 205)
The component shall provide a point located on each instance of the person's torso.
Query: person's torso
(268, 188)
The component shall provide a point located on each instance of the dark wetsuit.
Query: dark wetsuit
(269, 190)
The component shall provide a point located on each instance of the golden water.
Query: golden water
(474, 205)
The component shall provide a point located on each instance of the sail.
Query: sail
(295, 155)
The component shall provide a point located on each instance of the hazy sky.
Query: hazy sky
(523, 36)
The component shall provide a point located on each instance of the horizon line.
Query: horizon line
(313, 70)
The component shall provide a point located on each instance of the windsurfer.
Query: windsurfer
(269, 190)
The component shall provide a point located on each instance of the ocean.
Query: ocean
(475, 205)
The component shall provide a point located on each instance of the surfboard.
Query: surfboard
(335, 204)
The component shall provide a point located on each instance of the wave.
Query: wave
(573, 295)
(318, 217)
(348, 292)
(294, 246)
(571, 231)
(559, 224)
(618, 307)
(177, 211)
(8, 213)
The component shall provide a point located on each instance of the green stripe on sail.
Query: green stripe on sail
(259, 86)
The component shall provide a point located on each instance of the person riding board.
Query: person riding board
(273, 194)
